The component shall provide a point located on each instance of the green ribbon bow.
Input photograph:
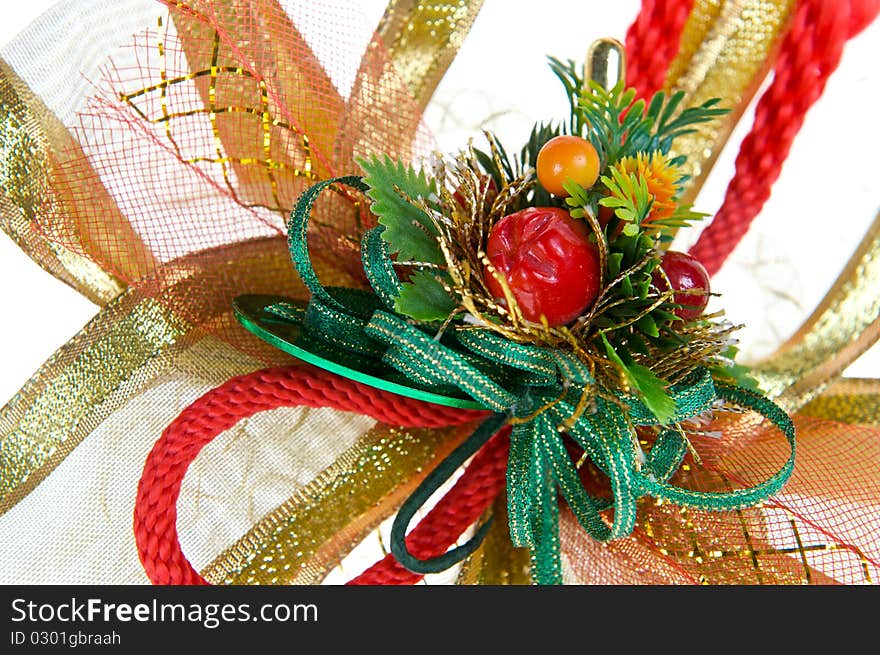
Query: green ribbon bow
(539, 390)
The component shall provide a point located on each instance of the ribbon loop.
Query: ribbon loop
(545, 393)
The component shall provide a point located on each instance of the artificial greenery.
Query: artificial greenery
(396, 191)
(618, 125)
(424, 298)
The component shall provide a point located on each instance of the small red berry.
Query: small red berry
(684, 273)
(548, 261)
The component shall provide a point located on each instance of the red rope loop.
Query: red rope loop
(810, 52)
(155, 514)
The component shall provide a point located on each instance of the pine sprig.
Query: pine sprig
(599, 112)
(573, 83)
(683, 216)
(647, 385)
(616, 125)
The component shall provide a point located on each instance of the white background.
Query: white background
(773, 279)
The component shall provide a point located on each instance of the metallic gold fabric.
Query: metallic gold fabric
(34, 144)
(423, 37)
(821, 529)
(844, 325)
(848, 400)
(260, 113)
(54, 202)
(267, 134)
(303, 539)
(496, 561)
(726, 51)
(54, 411)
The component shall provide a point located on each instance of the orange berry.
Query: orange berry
(566, 158)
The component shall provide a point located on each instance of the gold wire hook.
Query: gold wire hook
(606, 63)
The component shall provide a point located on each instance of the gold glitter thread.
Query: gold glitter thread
(818, 531)
(423, 37)
(38, 183)
(53, 413)
(302, 540)
(496, 561)
(844, 325)
(727, 48)
(847, 400)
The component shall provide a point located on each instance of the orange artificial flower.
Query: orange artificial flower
(661, 178)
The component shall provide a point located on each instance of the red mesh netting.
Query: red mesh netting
(200, 142)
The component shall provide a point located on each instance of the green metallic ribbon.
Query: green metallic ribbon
(537, 389)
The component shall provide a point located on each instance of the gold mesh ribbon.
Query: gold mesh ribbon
(496, 561)
(821, 529)
(307, 536)
(848, 400)
(423, 38)
(276, 123)
(44, 176)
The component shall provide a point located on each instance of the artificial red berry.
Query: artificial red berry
(684, 273)
(548, 261)
(566, 158)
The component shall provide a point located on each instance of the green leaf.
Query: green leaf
(738, 374)
(394, 188)
(614, 260)
(652, 391)
(647, 325)
(650, 388)
(423, 298)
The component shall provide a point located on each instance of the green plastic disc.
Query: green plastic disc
(250, 310)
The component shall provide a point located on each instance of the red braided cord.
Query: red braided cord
(155, 514)
(652, 42)
(450, 517)
(810, 52)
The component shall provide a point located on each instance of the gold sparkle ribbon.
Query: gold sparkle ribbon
(496, 561)
(94, 373)
(848, 400)
(423, 37)
(726, 50)
(44, 175)
(844, 325)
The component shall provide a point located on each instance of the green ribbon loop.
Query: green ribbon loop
(376, 258)
(548, 395)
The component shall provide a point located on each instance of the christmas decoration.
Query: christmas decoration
(163, 190)
(543, 316)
